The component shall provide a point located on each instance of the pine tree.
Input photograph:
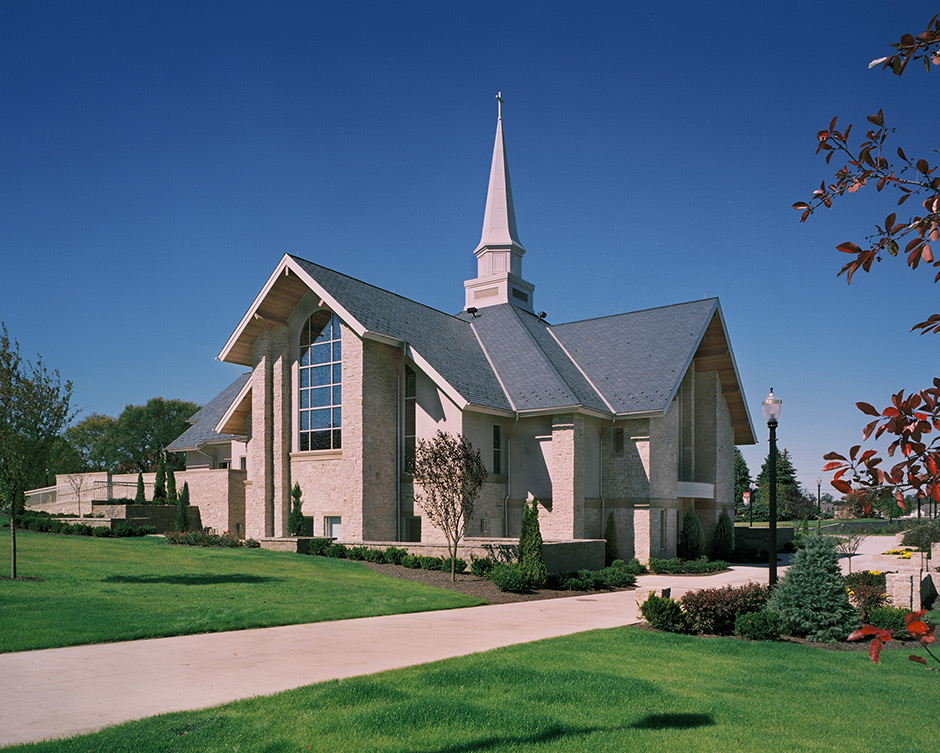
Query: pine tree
(811, 599)
(181, 504)
(611, 545)
(141, 497)
(159, 485)
(530, 546)
(691, 545)
(742, 483)
(723, 539)
(295, 521)
(170, 487)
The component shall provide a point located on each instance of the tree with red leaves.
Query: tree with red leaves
(913, 420)
(916, 628)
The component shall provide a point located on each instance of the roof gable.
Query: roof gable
(204, 421)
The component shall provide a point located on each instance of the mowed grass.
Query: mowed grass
(613, 690)
(100, 590)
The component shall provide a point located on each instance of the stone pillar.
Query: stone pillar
(566, 518)
(269, 491)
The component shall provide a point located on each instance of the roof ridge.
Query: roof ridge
(638, 311)
(376, 287)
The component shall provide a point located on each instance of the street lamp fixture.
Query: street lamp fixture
(818, 503)
(771, 408)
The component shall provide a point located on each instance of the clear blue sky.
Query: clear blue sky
(159, 157)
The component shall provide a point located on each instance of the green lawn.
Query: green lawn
(99, 590)
(615, 690)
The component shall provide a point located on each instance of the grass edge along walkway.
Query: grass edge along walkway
(614, 690)
(104, 590)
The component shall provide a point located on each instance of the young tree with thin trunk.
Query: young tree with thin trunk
(448, 474)
(34, 408)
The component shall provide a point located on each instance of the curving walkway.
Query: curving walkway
(66, 691)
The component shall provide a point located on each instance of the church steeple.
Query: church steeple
(499, 254)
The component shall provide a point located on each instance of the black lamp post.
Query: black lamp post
(751, 505)
(771, 407)
(818, 503)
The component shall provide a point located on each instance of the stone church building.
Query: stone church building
(633, 414)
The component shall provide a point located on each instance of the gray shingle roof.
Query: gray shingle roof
(636, 360)
(207, 418)
(444, 340)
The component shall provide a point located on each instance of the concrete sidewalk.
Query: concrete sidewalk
(66, 691)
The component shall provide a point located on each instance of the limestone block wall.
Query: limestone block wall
(626, 475)
(376, 440)
(565, 518)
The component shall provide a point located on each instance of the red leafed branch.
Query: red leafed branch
(914, 423)
(872, 163)
(916, 628)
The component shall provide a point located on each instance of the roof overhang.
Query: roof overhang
(234, 419)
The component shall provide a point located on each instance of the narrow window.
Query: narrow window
(413, 528)
(320, 389)
(411, 400)
(497, 448)
(618, 441)
(333, 527)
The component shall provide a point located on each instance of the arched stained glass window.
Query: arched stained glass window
(320, 385)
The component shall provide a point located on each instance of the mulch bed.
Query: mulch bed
(469, 584)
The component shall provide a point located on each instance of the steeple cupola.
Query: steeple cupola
(499, 254)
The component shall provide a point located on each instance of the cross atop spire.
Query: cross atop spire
(499, 253)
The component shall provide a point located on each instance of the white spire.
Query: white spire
(499, 253)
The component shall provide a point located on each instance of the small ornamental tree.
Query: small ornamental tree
(141, 497)
(530, 546)
(182, 503)
(159, 484)
(611, 545)
(171, 497)
(691, 545)
(448, 473)
(811, 599)
(723, 540)
(295, 521)
(916, 629)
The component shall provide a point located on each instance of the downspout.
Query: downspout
(508, 476)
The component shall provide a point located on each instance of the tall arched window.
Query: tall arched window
(321, 377)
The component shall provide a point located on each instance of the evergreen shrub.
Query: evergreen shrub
(509, 576)
(691, 544)
(357, 553)
(295, 521)
(318, 546)
(376, 556)
(430, 563)
(460, 565)
(713, 611)
(723, 538)
(159, 484)
(141, 498)
(758, 626)
(531, 557)
(663, 613)
(480, 566)
(676, 566)
(394, 554)
(411, 561)
(811, 598)
(182, 521)
(611, 544)
(889, 618)
(101, 532)
(338, 551)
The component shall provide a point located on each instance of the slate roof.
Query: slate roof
(207, 418)
(444, 340)
(636, 360)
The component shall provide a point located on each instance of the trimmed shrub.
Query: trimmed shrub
(663, 613)
(394, 554)
(295, 521)
(610, 540)
(509, 576)
(723, 539)
(171, 496)
(480, 566)
(141, 498)
(159, 484)
(677, 566)
(811, 598)
(411, 561)
(126, 529)
(617, 577)
(691, 544)
(337, 551)
(713, 611)
(634, 566)
(430, 563)
(101, 532)
(318, 547)
(889, 618)
(357, 553)
(459, 565)
(203, 538)
(758, 626)
(376, 556)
